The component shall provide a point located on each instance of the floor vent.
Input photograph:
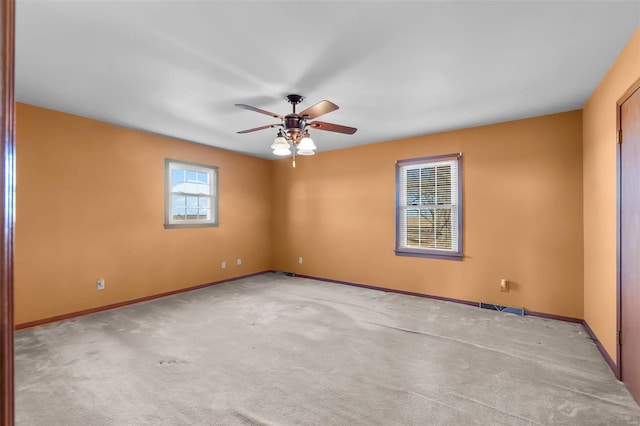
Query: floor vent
(517, 311)
(285, 273)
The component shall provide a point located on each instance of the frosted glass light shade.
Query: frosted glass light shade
(305, 152)
(282, 151)
(306, 144)
(280, 143)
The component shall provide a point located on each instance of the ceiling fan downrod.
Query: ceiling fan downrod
(294, 100)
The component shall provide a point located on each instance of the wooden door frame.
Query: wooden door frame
(7, 199)
(630, 91)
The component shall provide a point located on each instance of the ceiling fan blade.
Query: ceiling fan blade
(259, 128)
(261, 111)
(318, 109)
(320, 125)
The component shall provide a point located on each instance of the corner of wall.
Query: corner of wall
(599, 126)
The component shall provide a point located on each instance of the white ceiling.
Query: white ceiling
(395, 68)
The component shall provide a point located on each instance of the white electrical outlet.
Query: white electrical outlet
(100, 283)
(300, 260)
(224, 264)
(239, 262)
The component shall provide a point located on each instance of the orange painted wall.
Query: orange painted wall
(522, 215)
(90, 203)
(599, 152)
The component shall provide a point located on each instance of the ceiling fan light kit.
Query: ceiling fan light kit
(293, 133)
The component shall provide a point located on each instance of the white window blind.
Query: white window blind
(428, 210)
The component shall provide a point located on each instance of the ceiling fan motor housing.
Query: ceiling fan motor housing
(293, 123)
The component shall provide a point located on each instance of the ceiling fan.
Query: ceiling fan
(294, 127)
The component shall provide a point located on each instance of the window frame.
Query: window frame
(429, 252)
(213, 171)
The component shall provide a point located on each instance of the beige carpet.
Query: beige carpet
(275, 350)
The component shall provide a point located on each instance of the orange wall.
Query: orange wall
(599, 152)
(90, 203)
(522, 215)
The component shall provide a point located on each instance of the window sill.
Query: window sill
(189, 225)
(429, 254)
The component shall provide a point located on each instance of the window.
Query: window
(191, 195)
(429, 207)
